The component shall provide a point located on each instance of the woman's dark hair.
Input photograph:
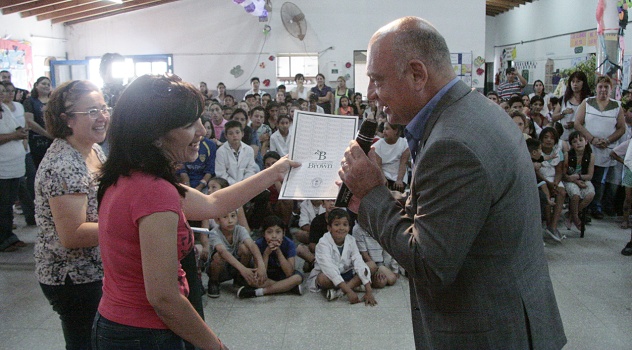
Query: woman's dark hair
(239, 111)
(337, 213)
(106, 61)
(148, 109)
(271, 221)
(543, 93)
(549, 130)
(34, 92)
(61, 102)
(585, 88)
(298, 76)
(531, 125)
(321, 74)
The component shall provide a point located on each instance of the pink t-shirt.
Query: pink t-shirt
(219, 129)
(124, 300)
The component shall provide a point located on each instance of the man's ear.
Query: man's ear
(419, 74)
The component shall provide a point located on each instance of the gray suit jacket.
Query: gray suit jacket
(470, 235)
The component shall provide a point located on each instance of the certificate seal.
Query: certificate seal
(316, 182)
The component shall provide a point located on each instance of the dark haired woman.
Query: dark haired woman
(577, 90)
(39, 139)
(67, 260)
(538, 90)
(143, 232)
(324, 93)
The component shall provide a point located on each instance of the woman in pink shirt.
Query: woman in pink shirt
(144, 233)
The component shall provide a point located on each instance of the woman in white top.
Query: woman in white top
(300, 91)
(600, 119)
(577, 90)
(393, 155)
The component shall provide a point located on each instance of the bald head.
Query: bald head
(412, 38)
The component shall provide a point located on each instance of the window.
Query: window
(288, 65)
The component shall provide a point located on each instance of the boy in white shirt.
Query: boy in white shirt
(384, 269)
(339, 266)
(235, 160)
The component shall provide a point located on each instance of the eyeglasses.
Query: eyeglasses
(94, 113)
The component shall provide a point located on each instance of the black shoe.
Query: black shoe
(627, 251)
(213, 290)
(297, 289)
(597, 215)
(246, 292)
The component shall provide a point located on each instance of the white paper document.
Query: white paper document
(318, 142)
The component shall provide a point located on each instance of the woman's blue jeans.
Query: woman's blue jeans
(108, 335)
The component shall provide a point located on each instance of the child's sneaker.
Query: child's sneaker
(213, 290)
(297, 289)
(333, 294)
(246, 292)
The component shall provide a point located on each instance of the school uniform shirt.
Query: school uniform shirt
(280, 144)
(309, 212)
(368, 244)
(235, 166)
(333, 264)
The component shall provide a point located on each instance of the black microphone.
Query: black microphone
(364, 139)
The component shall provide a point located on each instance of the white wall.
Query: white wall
(46, 39)
(538, 20)
(209, 37)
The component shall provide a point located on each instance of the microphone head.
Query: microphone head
(367, 131)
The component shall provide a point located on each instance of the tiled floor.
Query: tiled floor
(592, 280)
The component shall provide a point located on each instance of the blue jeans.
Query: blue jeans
(108, 335)
(8, 196)
(76, 305)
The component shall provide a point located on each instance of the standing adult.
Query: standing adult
(577, 90)
(67, 260)
(324, 93)
(221, 93)
(478, 274)
(143, 231)
(26, 192)
(514, 84)
(300, 91)
(254, 87)
(11, 170)
(538, 89)
(342, 90)
(600, 119)
(39, 138)
(19, 95)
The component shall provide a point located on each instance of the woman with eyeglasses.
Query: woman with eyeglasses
(67, 260)
(143, 211)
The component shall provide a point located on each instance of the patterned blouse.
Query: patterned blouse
(63, 171)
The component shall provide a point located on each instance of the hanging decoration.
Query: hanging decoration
(254, 7)
(266, 82)
(237, 71)
(271, 58)
(262, 65)
(348, 64)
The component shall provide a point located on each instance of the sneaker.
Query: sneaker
(361, 289)
(298, 289)
(333, 294)
(552, 233)
(246, 292)
(627, 251)
(559, 234)
(213, 290)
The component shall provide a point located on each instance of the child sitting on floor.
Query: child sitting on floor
(278, 254)
(339, 266)
(233, 250)
(384, 269)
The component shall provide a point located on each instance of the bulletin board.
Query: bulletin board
(17, 58)
(462, 65)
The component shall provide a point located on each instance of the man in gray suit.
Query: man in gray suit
(470, 235)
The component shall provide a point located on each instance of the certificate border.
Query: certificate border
(295, 125)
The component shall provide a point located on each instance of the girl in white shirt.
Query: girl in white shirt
(393, 155)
